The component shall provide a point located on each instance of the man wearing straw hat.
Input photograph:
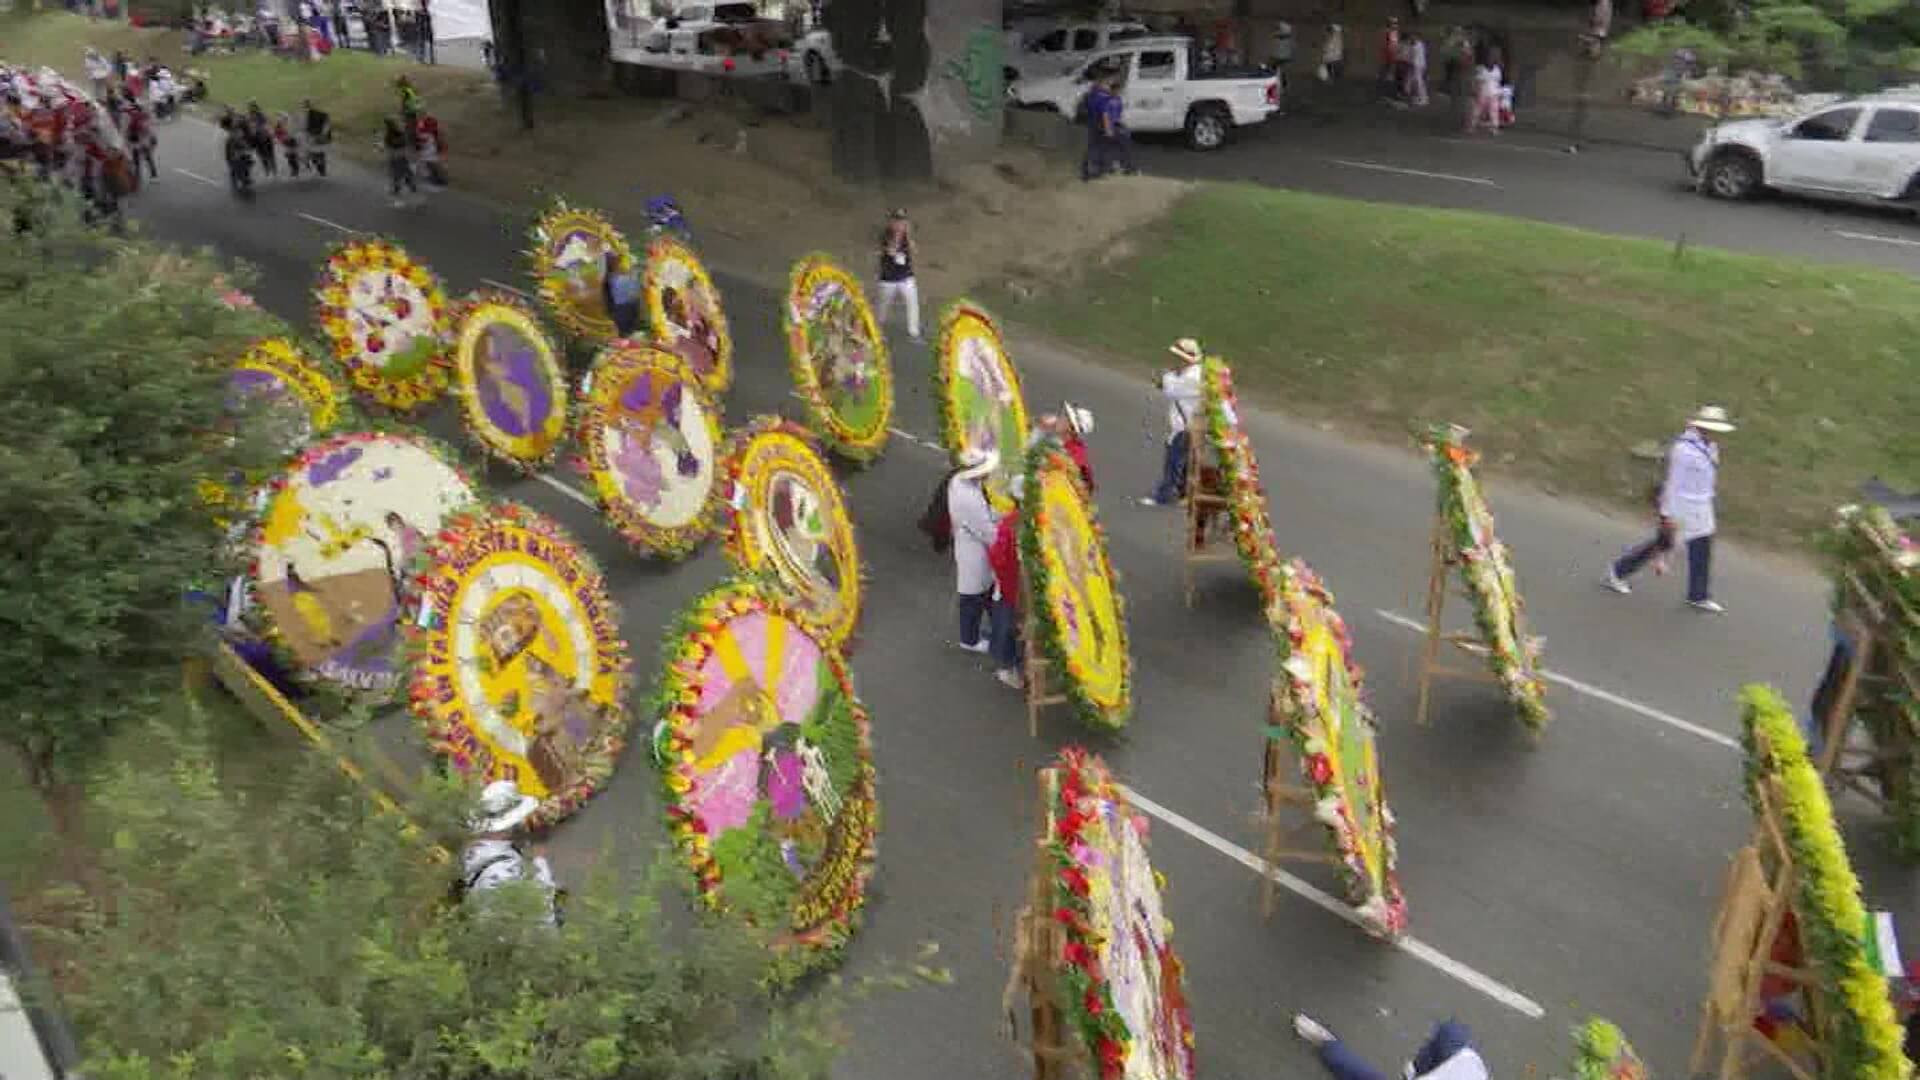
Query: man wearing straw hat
(1070, 428)
(973, 529)
(1686, 510)
(493, 860)
(1180, 384)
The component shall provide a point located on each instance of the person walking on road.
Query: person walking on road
(896, 272)
(395, 144)
(141, 141)
(1004, 620)
(973, 529)
(260, 138)
(1180, 385)
(318, 135)
(1448, 1054)
(287, 135)
(493, 859)
(1686, 510)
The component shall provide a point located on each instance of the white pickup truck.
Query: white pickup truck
(1164, 91)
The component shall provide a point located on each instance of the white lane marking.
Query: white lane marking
(568, 490)
(1493, 145)
(1377, 167)
(1414, 947)
(504, 285)
(916, 440)
(1876, 238)
(1596, 693)
(323, 221)
(191, 175)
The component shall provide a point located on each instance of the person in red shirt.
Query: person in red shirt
(1004, 617)
(1071, 430)
(1392, 61)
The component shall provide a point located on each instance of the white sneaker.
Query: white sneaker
(1148, 500)
(1311, 1030)
(1711, 607)
(1613, 583)
(1010, 678)
(980, 647)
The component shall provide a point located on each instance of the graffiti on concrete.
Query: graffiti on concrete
(981, 68)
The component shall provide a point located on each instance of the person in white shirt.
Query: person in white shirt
(98, 73)
(1180, 385)
(1686, 510)
(492, 860)
(973, 529)
(1448, 1054)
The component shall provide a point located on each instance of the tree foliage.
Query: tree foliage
(299, 933)
(115, 374)
(1828, 44)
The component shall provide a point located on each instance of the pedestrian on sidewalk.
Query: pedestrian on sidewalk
(1448, 1054)
(1333, 54)
(431, 145)
(973, 529)
(1415, 86)
(1686, 499)
(1180, 385)
(620, 289)
(896, 272)
(395, 144)
(1486, 94)
(1280, 47)
(318, 135)
(1004, 620)
(493, 859)
(1392, 61)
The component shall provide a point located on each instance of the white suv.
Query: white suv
(1865, 149)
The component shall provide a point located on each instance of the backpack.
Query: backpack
(935, 521)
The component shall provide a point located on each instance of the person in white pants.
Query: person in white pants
(896, 272)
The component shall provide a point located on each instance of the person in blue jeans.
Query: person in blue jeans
(973, 530)
(1180, 385)
(1686, 510)
(1448, 1054)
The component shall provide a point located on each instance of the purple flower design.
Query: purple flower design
(328, 469)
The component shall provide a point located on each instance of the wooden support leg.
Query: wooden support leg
(1839, 719)
(1436, 606)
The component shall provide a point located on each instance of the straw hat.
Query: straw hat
(1079, 419)
(501, 807)
(1186, 349)
(1711, 418)
(975, 464)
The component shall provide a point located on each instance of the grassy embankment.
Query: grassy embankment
(1563, 350)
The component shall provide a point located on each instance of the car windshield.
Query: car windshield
(735, 13)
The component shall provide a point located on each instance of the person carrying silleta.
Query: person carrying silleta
(973, 529)
(493, 859)
(1180, 384)
(1686, 510)
(1004, 644)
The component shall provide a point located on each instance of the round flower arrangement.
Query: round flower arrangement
(1333, 733)
(1119, 979)
(387, 319)
(569, 249)
(519, 671)
(839, 358)
(979, 394)
(334, 552)
(1862, 1036)
(1075, 592)
(790, 518)
(1601, 1052)
(684, 308)
(1872, 558)
(278, 370)
(649, 437)
(1240, 474)
(1513, 654)
(513, 392)
(768, 764)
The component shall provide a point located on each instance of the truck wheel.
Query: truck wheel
(1732, 175)
(1208, 127)
(817, 71)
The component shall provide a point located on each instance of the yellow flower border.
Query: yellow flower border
(1053, 486)
(755, 454)
(350, 259)
(806, 277)
(317, 389)
(616, 366)
(476, 315)
(660, 251)
(548, 233)
(946, 369)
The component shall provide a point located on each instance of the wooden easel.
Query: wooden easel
(1752, 912)
(1866, 622)
(1037, 947)
(1278, 791)
(1439, 577)
(1039, 691)
(1199, 506)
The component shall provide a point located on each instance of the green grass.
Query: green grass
(1562, 349)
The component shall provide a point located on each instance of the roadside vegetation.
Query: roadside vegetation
(1572, 355)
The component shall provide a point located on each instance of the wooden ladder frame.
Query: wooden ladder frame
(1196, 507)
(1037, 945)
(1280, 792)
(1039, 669)
(1754, 907)
(1439, 577)
(1865, 622)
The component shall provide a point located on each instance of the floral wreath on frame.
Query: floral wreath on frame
(527, 452)
(539, 550)
(1055, 586)
(755, 454)
(555, 282)
(426, 376)
(1253, 534)
(602, 394)
(810, 277)
(960, 317)
(1498, 611)
(664, 251)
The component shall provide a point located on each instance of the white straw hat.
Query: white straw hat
(501, 807)
(1711, 418)
(975, 464)
(1079, 419)
(1186, 349)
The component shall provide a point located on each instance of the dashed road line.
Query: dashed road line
(924, 444)
(568, 490)
(1877, 238)
(1375, 166)
(1494, 145)
(191, 175)
(323, 221)
(1414, 947)
(1597, 693)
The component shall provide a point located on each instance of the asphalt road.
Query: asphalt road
(1382, 155)
(1544, 884)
